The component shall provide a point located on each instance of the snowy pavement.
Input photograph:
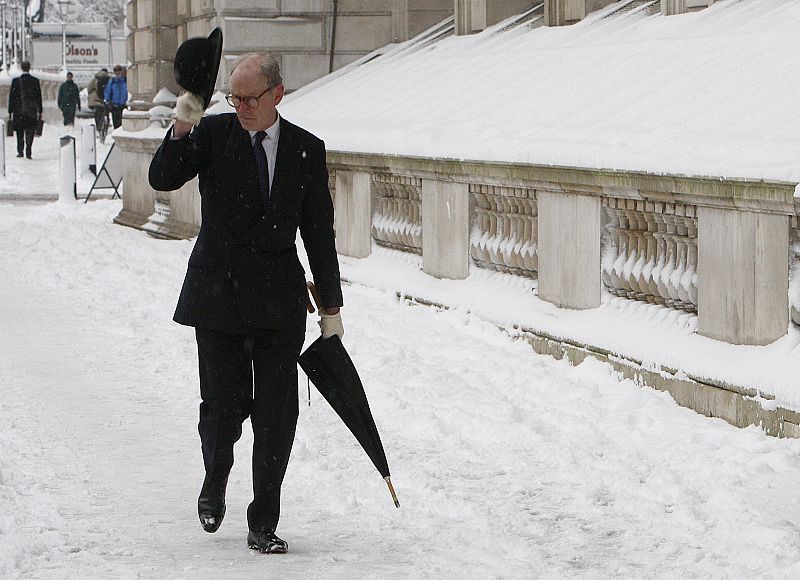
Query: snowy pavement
(37, 178)
(507, 464)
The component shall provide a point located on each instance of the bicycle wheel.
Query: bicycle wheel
(102, 129)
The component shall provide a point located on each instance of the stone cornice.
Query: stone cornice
(732, 193)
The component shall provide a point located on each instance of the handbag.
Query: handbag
(9, 127)
(39, 127)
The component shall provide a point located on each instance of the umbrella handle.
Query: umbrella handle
(312, 289)
(388, 481)
(309, 305)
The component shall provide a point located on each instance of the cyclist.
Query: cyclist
(96, 89)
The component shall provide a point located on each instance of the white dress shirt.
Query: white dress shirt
(270, 144)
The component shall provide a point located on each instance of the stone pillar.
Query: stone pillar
(152, 42)
(463, 16)
(411, 17)
(563, 12)
(445, 228)
(743, 267)
(138, 197)
(671, 7)
(164, 214)
(569, 249)
(476, 15)
(353, 210)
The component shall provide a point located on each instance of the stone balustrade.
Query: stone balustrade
(700, 245)
(505, 231)
(650, 253)
(719, 248)
(396, 217)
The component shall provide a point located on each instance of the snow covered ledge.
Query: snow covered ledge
(739, 258)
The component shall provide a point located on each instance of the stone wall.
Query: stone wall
(300, 32)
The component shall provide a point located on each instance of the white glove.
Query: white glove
(331, 324)
(189, 108)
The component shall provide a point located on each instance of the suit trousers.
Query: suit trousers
(256, 376)
(25, 128)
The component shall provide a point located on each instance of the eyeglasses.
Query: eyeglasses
(251, 102)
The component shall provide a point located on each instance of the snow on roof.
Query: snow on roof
(711, 93)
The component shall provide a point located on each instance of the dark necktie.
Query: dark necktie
(262, 167)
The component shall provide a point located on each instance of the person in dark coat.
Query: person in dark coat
(69, 99)
(25, 108)
(261, 178)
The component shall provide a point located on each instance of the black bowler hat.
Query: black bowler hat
(197, 64)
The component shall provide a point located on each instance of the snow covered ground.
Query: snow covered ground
(507, 464)
(37, 178)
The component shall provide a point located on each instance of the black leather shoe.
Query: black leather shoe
(19, 154)
(266, 543)
(211, 504)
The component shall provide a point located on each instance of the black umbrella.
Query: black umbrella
(328, 366)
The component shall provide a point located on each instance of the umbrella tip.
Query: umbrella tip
(391, 490)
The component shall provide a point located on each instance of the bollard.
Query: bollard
(67, 183)
(88, 152)
(3, 148)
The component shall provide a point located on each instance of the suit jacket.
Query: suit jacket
(25, 97)
(244, 272)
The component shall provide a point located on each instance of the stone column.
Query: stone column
(410, 17)
(138, 197)
(164, 214)
(569, 249)
(445, 229)
(476, 15)
(671, 7)
(353, 210)
(152, 42)
(563, 12)
(743, 267)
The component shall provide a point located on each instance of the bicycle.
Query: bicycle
(101, 120)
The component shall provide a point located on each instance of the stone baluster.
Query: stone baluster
(794, 271)
(480, 229)
(665, 288)
(641, 251)
(663, 256)
(623, 249)
(651, 257)
(499, 233)
(510, 240)
(610, 243)
(504, 230)
(528, 250)
(681, 243)
(616, 250)
(397, 220)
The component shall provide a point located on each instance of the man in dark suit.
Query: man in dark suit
(25, 108)
(260, 178)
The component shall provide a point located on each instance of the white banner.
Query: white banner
(90, 52)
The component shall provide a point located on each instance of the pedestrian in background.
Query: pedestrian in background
(116, 95)
(69, 99)
(25, 108)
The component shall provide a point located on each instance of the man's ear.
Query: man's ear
(279, 90)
